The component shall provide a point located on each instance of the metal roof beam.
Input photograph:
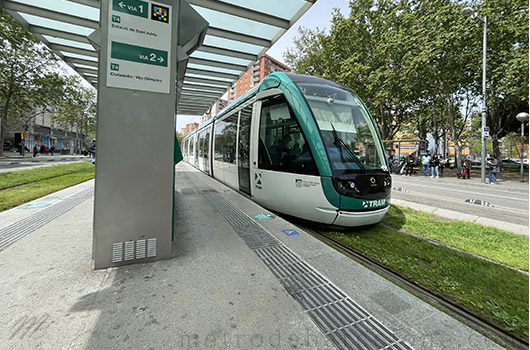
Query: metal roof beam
(212, 63)
(76, 50)
(244, 38)
(87, 71)
(187, 112)
(212, 73)
(198, 98)
(242, 12)
(91, 3)
(228, 52)
(75, 60)
(194, 111)
(58, 34)
(44, 13)
(190, 93)
(202, 108)
(207, 81)
(201, 87)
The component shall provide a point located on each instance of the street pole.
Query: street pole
(468, 11)
(522, 117)
(484, 108)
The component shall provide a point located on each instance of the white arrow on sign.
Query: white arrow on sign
(122, 5)
(160, 59)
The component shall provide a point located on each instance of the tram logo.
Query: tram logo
(257, 180)
(375, 203)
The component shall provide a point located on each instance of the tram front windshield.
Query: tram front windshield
(348, 131)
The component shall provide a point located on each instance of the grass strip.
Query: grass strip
(497, 292)
(21, 177)
(13, 197)
(492, 243)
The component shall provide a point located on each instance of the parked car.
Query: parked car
(511, 163)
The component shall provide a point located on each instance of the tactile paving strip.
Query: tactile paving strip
(17, 230)
(346, 324)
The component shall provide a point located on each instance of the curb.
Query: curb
(449, 214)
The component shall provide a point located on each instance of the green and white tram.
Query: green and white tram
(298, 145)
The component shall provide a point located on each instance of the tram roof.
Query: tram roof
(238, 32)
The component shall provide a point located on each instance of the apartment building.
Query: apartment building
(263, 67)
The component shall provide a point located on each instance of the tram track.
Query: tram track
(468, 317)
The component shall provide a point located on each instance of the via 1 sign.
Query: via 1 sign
(139, 45)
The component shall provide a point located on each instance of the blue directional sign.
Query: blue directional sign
(290, 232)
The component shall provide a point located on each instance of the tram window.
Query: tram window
(225, 139)
(282, 146)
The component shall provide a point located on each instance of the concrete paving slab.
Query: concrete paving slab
(411, 319)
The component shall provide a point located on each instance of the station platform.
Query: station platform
(239, 278)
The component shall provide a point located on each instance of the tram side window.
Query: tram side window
(225, 139)
(282, 145)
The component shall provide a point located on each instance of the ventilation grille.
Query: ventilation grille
(133, 250)
(22, 228)
(346, 324)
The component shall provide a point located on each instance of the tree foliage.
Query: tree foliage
(77, 109)
(417, 64)
(27, 77)
(31, 82)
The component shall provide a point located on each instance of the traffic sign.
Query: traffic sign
(139, 45)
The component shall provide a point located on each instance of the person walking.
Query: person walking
(466, 163)
(435, 164)
(494, 169)
(35, 151)
(425, 160)
(91, 148)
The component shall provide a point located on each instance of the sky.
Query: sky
(318, 16)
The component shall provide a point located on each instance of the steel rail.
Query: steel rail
(470, 318)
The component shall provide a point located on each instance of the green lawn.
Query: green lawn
(499, 245)
(35, 183)
(495, 291)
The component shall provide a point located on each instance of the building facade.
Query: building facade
(217, 107)
(263, 67)
(43, 130)
(189, 128)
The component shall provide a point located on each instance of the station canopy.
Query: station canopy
(238, 33)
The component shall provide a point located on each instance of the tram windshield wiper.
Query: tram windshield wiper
(340, 144)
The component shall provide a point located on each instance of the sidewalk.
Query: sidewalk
(221, 289)
(508, 179)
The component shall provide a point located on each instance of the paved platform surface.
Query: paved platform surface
(233, 283)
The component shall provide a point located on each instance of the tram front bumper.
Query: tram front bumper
(361, 218)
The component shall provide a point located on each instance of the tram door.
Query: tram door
(244, 149)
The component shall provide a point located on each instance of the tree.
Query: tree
(77, 109)
(507, 64)
(417, 64)
(27, 79)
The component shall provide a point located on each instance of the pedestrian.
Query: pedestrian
(52, 149)
(494, 169)
(443, 164)
(425, 160)
(435, 164)
(411, 160)
(35, 151)
(466, 163)
(91, 148)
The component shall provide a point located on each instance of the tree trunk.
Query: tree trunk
(452, 129)
(435, 129)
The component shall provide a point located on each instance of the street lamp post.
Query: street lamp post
(468, 11)
(522, 117)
